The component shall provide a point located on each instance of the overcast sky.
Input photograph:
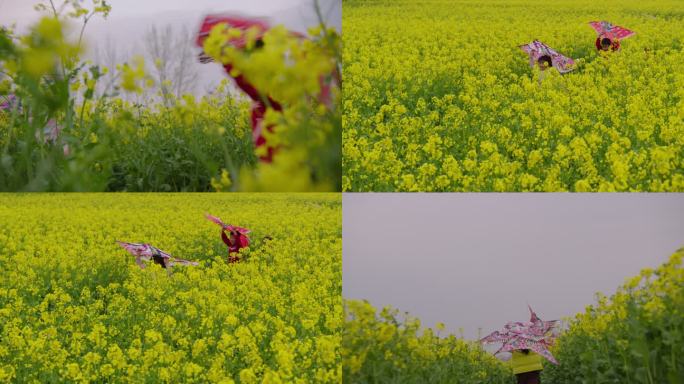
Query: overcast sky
(130, 19)
(297, 13)
(477, 260)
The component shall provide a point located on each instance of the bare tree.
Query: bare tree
(109, 55)
(174, 68)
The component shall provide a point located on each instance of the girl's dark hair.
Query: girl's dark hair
(606, 42)
(259, 43)
(545, 59)
(525, 351)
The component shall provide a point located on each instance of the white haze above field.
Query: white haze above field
(121, 35)
(476, 260)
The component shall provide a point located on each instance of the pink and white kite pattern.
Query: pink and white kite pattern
(537, 49)
(613, 32)
(225, 226)
(144, 251)
(533, 335)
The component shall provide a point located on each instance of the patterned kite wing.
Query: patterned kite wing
(537, 49)
(532, 51)
(519, 343)
(620, 33)
(494, 337)
(232, 21)
(533, 316)
(225, 226)
(562, 63)
(137, 249)
(601, 27)
(524, 335)
(528, 48)
(215, 220)
(540, 348)
(606, 29)
(161, 253)
(177, 261)
(543, 350)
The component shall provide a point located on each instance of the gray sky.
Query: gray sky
(130, 19)
(297, 14)
(477, 260)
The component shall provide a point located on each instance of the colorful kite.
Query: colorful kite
(148, 252)
(609, 35)
(545, 57)
(533, 335)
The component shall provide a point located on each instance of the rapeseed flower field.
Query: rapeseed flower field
(384, 347)
(439, 97)
(634, 336)
(75, 307)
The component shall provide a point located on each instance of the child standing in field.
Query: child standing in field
(609, 35)
(527, 366)
(528, 342)
(235, 240)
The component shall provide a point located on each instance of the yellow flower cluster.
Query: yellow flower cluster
(633, 336)
(132, 77)
(382, 348)
(438, 97)
(44, 47)
(74, 307)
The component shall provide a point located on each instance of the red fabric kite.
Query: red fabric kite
(609, 35)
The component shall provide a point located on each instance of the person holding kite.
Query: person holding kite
(528, 342)
(545, 57)
(235, 240)
(260, 101)
(148, 252)
(609, 35)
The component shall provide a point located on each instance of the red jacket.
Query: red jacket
(258, 111)
(242, 241)
(614, 44)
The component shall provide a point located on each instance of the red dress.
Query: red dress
(258, 106)
(614, 44)
(258, 112)
(241, 241)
